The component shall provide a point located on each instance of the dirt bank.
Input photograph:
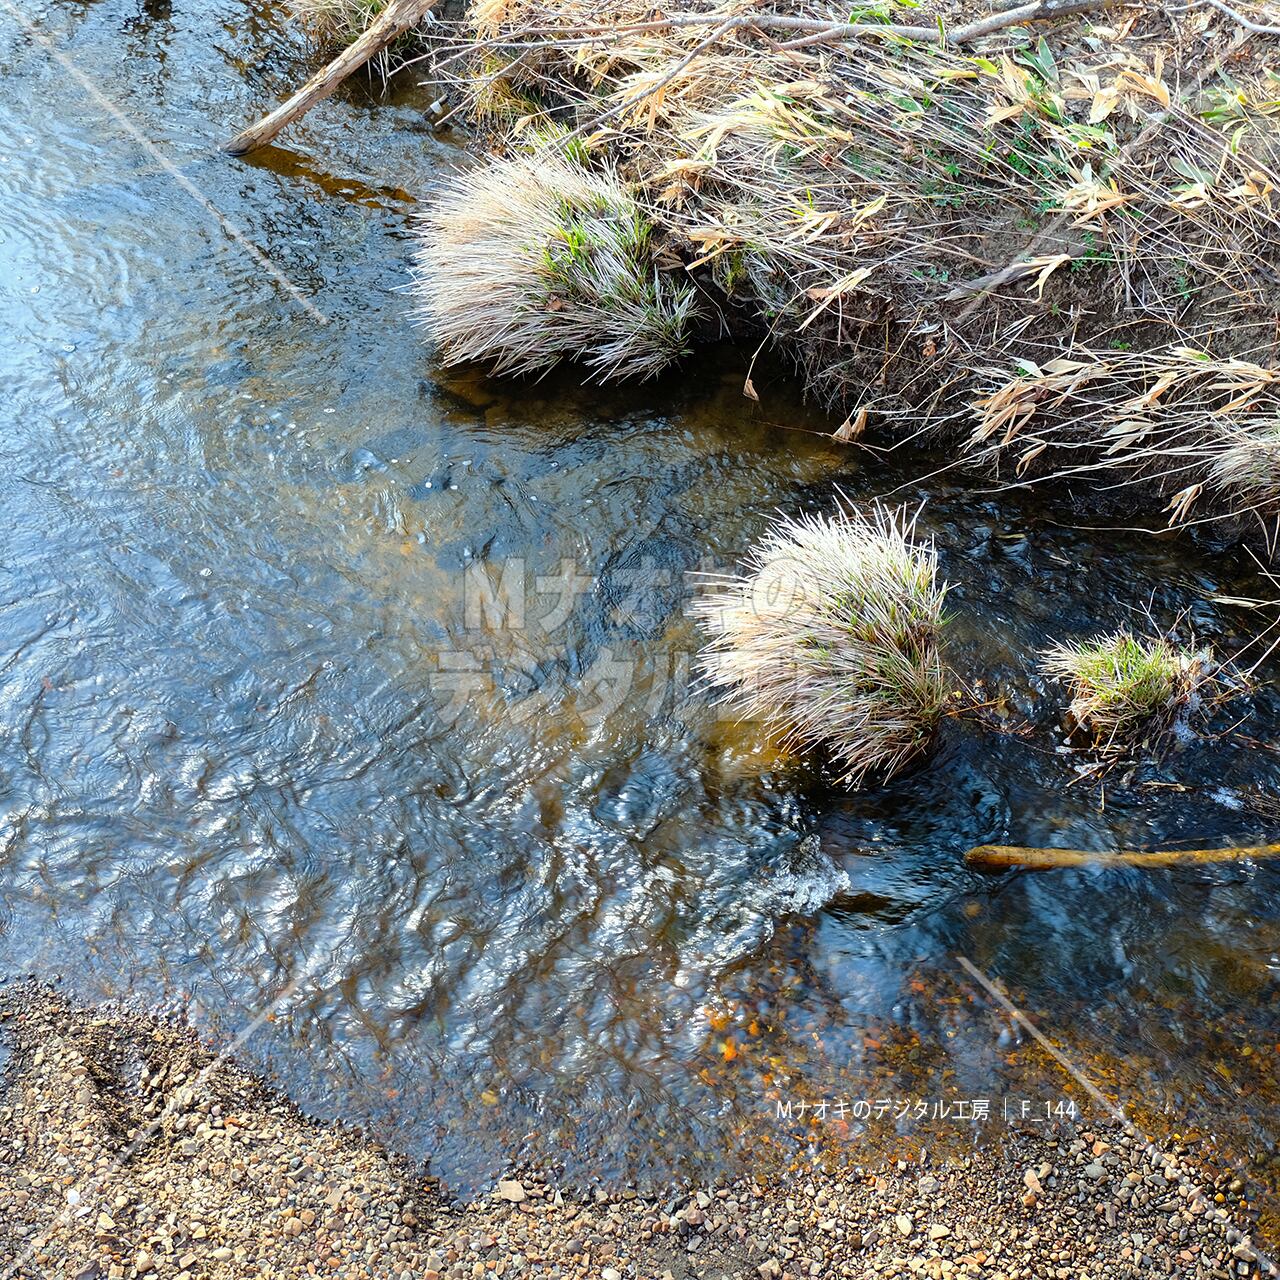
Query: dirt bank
(1053, 244)
(129, 1149)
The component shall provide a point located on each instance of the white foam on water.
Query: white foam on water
(805, 882)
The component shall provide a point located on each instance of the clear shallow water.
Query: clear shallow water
(506, 881)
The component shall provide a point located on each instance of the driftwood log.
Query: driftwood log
(394, 21)
(1005, 857)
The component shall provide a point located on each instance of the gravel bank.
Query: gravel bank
(127, 1149)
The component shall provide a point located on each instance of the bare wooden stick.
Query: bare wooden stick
(1037, 11)
(818, 30)
(1005, 857)
(1261, 28)
(394, 21)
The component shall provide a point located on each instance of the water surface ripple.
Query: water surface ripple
(325, 673)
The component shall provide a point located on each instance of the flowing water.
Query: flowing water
(339, 686)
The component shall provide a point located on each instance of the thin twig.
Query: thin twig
(1003, 857)
(823, 32)
(1037, 11)
(1247, 23)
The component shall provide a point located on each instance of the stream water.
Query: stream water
(342, 687)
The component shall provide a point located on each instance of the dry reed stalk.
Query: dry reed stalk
(1204, 431)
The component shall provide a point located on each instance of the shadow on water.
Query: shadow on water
(340, 685)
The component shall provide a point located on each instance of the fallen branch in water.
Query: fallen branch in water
(396, 19)
(1006, 857)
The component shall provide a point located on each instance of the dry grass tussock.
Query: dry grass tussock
(830, 637)
(908, 218)
(1128, 691)
(526, 262)
(331, 25)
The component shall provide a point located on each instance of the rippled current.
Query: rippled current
(341, 687)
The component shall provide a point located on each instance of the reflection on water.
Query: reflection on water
(319, 666)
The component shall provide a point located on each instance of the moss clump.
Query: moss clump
(526, 262)
(1126, 689)
(831, 637)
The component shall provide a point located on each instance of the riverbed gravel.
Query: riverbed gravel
(127, 1149)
